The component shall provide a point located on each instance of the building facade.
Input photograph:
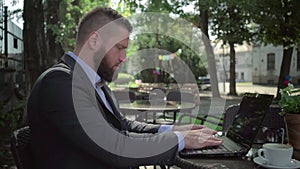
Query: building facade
(267, 64)
(259, 64)
(243, 62)
(12, 65)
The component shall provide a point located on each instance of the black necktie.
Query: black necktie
(110, 101)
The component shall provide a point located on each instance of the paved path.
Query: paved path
(210, 105)
(247, 87)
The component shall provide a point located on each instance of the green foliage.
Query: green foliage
(125, 75)
(230, 21)
(123, 78)
(148, 6)
(290, 100)
(10, 117)
(163, 37)
(188, 56)
(70, 13)
(277, 22)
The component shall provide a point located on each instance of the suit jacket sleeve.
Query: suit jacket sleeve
(67, 104)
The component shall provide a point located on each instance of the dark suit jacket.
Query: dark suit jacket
(71, 129)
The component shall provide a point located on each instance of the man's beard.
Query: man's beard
(104, 71)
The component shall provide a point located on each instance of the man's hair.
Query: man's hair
(96, 19)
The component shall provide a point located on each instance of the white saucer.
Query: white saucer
(293, 165)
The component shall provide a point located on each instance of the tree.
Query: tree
(200, 18)
(192, 59)
(50, 29)
(230, 23)
(278, 23)
(34, 40)
(54, 49)
(204, 17)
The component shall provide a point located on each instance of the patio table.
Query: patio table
(143, 107)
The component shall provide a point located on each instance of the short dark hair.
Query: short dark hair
(96, 19)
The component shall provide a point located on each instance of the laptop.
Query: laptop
(240, 136)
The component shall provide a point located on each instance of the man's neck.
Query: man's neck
(88, 59)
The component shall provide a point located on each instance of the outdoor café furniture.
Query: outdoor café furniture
(180, 96)
(272, 130)
(153, 107)
(124, 95)
(20, 148)
(216, 163)
(222, 121)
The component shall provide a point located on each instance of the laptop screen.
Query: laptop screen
(249, 118)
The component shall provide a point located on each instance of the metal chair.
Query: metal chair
(124, 95)
(220, 121)
(273, 127)
(229, 115)
(185, 164)
(20, 148)
(157, 97)
(179, 96)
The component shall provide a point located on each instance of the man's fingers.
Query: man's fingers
(201, 138)
(188, 127)
(208, 131)
(207, 137)
(197, 126)
(212, 143)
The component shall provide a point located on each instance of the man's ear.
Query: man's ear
(94, 41)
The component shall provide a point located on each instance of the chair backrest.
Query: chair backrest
(272, 129)
(20, 148)
(124, 95)
(179, 96)
(217, 121)
(229, 115)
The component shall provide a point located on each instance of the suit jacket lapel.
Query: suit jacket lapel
(111, 100)
(68, 60)
(113, 118)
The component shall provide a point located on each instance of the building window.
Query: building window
(242, 76)
(271, 81)
(15, 43)
(298, 60)
(271, 61)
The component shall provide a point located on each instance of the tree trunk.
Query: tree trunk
(34, 40)
(232, 85)
(285, 68)
(210, 54)
(55, 50)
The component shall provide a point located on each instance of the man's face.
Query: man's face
(111, 62)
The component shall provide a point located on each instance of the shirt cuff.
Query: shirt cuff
(181, 142)
(168, 128)
(165, 128)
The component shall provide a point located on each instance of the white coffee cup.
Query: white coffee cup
(276, 154)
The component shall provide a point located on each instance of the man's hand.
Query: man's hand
(188, 127)
(199, 138)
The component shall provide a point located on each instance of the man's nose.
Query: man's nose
(123, 58)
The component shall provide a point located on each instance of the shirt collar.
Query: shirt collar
(92, 75)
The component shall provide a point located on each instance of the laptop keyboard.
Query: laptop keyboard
(209, 150)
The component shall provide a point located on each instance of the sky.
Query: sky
(19, 5)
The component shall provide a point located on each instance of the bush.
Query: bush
(10, 119)
(123, 78)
